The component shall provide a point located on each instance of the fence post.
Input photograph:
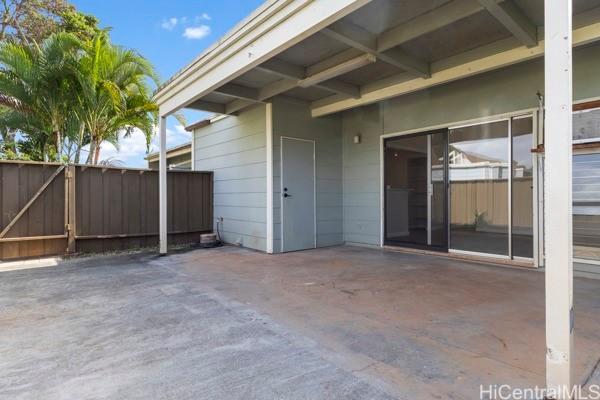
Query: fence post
(70, 204)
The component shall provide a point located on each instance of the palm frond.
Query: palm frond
(13, 103)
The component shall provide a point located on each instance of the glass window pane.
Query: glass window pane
(439, 226)
(586, 125)
(522, 187)
(478, 172)
(406, 190)
(586, 206)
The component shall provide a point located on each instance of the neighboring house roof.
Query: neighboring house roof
(204, 122)
(199, 124)
(172, 152)
(472, 157)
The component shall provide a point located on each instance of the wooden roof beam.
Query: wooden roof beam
(513, 19)
(319, 75)
(239, 92)
(293, 76)
(360, 39)
(203, 105)
(484, 59)
(433, 20)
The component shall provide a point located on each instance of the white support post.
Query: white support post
(557, 184)
(162, 185)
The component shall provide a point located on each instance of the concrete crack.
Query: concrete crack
(364, 368)
(591, 374)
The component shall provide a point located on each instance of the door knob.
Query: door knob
(286, 195)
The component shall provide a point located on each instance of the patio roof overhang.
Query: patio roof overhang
(338, 55)
(341, 54)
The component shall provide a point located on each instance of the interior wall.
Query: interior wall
(510, 89)
(235, 149)
(291, 118)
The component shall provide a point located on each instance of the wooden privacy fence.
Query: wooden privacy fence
(469, 198)
(53, 209)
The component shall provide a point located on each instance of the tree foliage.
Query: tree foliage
(32, 21)
(115, 96)
(41, 81)
(84, 26)
(67, 93)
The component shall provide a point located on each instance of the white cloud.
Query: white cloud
(132, 149)
(131, 152)
(197, 32)
(170, 24)
(174, 138)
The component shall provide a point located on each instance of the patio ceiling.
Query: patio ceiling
(387, 48)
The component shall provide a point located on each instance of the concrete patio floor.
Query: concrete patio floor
(229, 323)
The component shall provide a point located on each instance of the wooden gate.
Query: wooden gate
(33, 206)
(53, 209)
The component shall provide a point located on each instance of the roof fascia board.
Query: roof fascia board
(292, 24)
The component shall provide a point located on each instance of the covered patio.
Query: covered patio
(444, 125)
(421, 326)
(336, 323)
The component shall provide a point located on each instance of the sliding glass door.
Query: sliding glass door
(438, 206)
(415, 190)
(522, 187)
(491, 188)
(479, 182)
(468, 188)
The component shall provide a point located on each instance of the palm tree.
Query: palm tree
(115, 98)
(37, 86)
(74, 92)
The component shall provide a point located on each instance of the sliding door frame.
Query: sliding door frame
(537, 219)
(534, 183)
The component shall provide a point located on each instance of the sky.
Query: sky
(170, 33)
